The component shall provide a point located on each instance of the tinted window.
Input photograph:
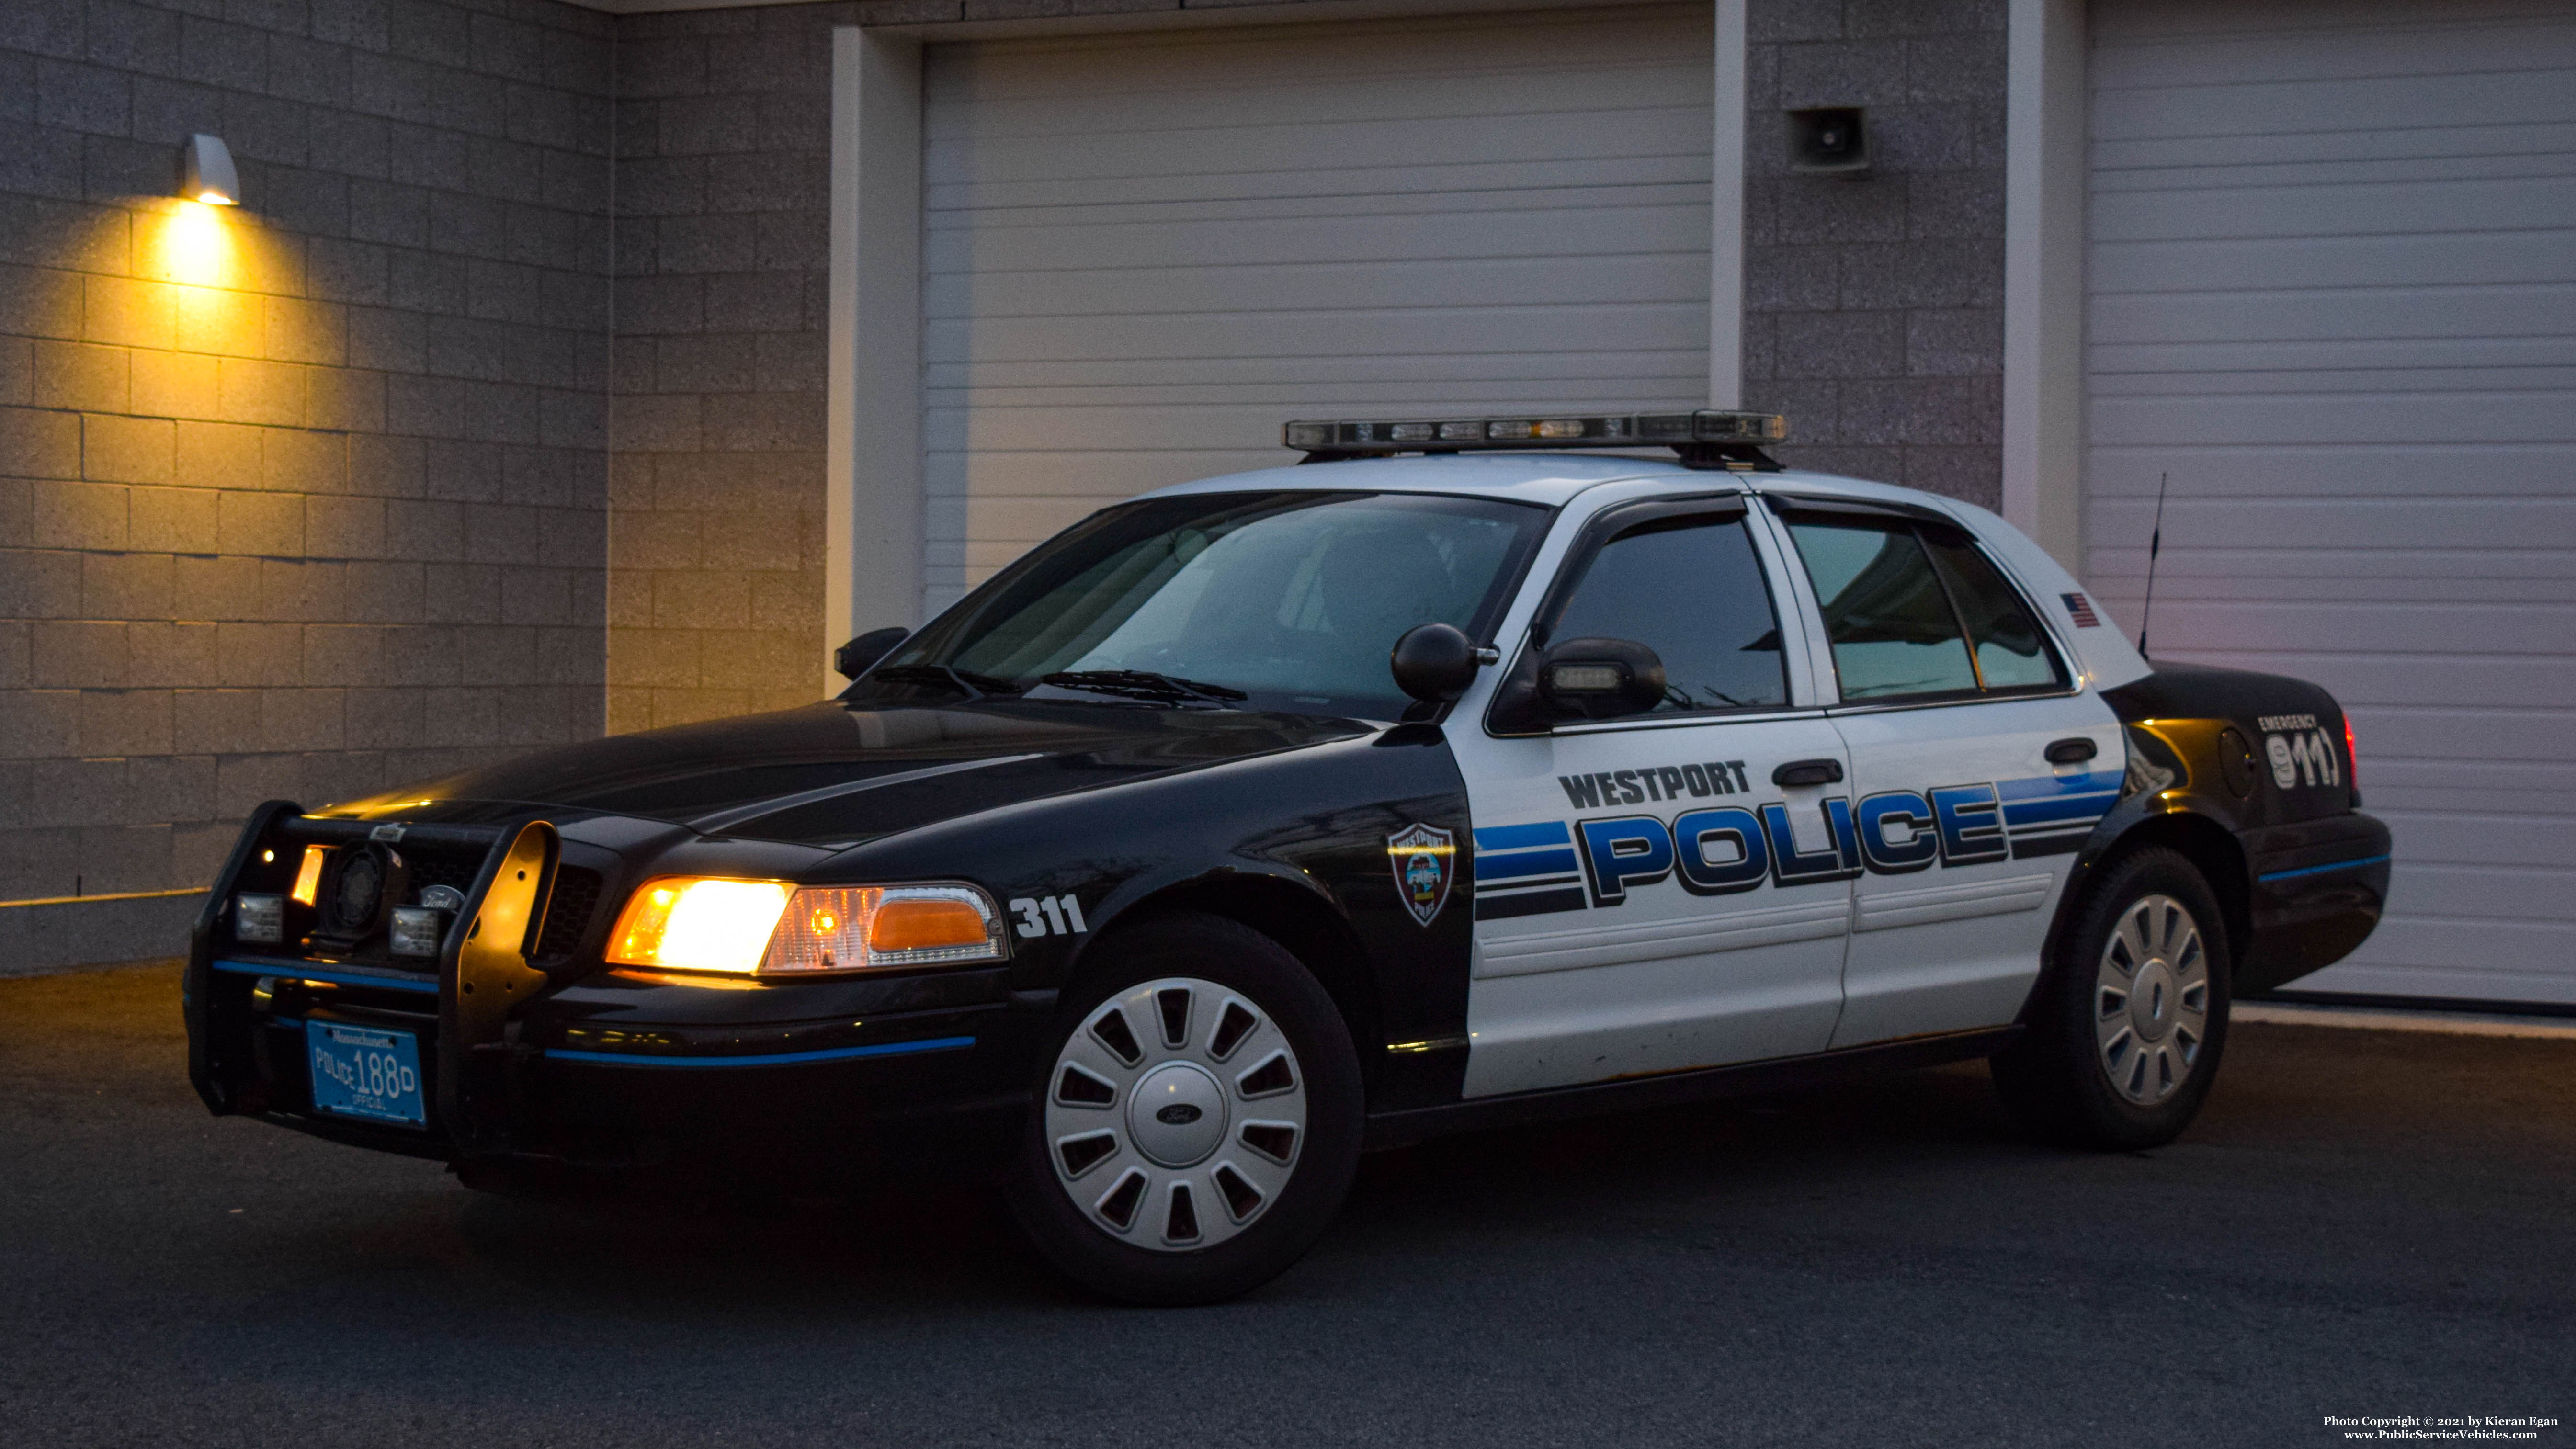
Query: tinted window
(1691, 590)
(2011, 652)
(1889, 619)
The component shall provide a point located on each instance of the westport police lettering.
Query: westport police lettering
(1711, 850)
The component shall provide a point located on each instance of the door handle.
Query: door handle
(1808, 772)
(2071, 752)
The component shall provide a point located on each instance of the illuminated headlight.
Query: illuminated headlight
(770, 928)
(259, 918)
(417, 930)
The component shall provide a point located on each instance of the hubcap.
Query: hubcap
(1175, 1114)
(2151, 1000)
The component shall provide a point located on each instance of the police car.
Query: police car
(1469, 772)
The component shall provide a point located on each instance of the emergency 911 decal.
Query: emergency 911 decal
(2298, 751)
(1557, 865)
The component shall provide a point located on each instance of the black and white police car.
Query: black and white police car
(1150, 876)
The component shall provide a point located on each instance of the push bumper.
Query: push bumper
(585, 1070)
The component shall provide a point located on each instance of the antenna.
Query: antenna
(2155, 545)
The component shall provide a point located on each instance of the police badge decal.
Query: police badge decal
(1420, 857)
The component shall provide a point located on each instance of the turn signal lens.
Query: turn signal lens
(683, 923)
(914, 925)
(880, 928)
(2351, 758)
(308, 876)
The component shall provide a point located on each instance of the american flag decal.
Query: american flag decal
(2081, 612)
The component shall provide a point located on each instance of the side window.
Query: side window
(1904, 604)
(1690, 589)
(2011, 652)
(1889, 620)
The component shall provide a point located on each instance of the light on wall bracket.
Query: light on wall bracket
(206, 172)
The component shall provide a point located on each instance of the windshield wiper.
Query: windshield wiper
(1143, 684)
(967, 680)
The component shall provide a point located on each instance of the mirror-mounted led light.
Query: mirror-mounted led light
(206, 172)
(260, 919)
(1586, 678)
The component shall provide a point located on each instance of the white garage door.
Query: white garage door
(1147, 251)
(2333, 295)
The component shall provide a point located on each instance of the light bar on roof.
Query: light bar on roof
(1589, 430)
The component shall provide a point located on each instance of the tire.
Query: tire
(2126, 1033)
(1240, 1170)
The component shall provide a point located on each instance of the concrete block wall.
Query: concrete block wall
(723, 239)
(1873, 312)
(301, 498)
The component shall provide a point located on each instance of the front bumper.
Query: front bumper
(584, 1070)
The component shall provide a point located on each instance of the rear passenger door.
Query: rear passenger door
(1647, 899)
(1950, 698)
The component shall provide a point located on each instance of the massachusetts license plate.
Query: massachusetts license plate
(365, 1072)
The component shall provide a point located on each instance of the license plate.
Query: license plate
(365, 1072)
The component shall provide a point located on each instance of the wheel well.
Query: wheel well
(2215, 854)
(1317, 937)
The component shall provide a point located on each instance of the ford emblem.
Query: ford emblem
(1179, 1114)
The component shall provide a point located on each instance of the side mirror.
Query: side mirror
(1600, 678)
(1434, 663)
(856, 657)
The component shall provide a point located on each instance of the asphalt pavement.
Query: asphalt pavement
(2363, 1223)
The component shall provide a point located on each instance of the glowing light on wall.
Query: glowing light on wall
(195, 245)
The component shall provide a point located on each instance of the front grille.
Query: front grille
(576, 895)
(447, 868)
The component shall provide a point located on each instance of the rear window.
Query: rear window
(1915, 611)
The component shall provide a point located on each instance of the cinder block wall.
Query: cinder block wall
(301, 498)
(716, 543)
(1873, 311)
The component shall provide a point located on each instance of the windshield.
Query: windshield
(1272, 601)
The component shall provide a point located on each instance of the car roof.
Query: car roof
(1548, 479)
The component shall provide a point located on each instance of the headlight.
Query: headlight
(769, 928)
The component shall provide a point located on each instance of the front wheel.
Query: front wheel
(2126, 1033)
(1199, 1120)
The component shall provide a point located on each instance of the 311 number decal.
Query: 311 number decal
(1049, 915)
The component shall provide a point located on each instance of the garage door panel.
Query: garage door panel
(2534, 92)
(2473, 841)
(2332, 297)
(1468, 282)
(2529, 309)
(1339, 190)
(1243, 379)
(2297, 263)
(1576, 329)
(1318, 145)
(1182, 64)
(1551, 232)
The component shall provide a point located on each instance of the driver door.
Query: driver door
(1647, 898)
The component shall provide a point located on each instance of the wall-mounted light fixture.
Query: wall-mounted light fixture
(207, 174)
(1829, 141)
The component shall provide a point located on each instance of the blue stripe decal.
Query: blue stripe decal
(337, 978)
(2321, 869)
(1517, 837)
(2072, 808)
(2043, 787)
(1535, 862)
(771, 1059)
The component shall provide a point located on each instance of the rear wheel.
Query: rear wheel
(2127, 1032)
(1199, 1120)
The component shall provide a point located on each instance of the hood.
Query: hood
(835, 775)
